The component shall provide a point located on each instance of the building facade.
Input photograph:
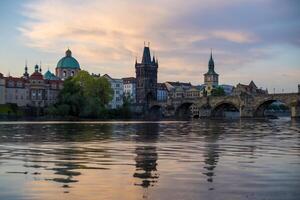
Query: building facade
(177, 89)
(146, 78)
(16, 91)
(117, 87)
(67, 66)
(162, 92)
(31, 90)
(250, 89)
(211, 78)
(2, 89)
(228, 89)
(129, 88)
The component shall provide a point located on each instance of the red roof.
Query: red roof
(36, 76)
(15, 80)
(10, 78)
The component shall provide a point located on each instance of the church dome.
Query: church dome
(68, 62)
(50, 76)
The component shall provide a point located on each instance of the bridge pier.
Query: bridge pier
(204, 113)
(246, 112)
(295, 111)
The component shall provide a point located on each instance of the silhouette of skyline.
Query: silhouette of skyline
(107, 36)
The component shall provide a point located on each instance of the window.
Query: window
(11, 84)
(33, 94)
(72, 73)
(64, 73)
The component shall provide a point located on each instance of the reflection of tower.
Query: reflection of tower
(146, 155)
(212, 150)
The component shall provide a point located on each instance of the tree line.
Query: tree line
(87, 96)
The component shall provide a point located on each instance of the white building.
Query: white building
(17, 91)
(117, 86)
(129, 88)
(162, 92)
(228, 89)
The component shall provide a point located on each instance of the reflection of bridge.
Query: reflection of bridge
(247, 105)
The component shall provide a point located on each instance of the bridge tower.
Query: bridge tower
(211, 78)
(146, 79)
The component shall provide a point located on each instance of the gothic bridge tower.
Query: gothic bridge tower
(146, 79)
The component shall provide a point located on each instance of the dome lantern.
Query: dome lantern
(69, 53)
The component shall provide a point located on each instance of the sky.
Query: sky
(255, 40)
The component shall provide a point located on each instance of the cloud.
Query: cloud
(107, 35)
(237, 37)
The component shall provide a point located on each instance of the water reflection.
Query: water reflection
(66, 159)
(146, 155)
(176, 160)
(211, 152)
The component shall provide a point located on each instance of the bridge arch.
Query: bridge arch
(183, 111)
(223, 108)
(260, 109)
(155, 112)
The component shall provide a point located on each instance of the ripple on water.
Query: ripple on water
(244, 159)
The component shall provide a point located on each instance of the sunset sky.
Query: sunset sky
(251, 40)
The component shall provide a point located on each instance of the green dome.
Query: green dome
(68, 61)
(50, 76)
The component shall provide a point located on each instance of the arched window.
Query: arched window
(72, 73)
(64, 73)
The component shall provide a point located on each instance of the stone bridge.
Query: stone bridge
(247, 105)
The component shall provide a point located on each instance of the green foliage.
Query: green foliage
(218, 91)
(83, 96)
(10, 109)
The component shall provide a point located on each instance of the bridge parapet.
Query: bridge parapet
(248, 105)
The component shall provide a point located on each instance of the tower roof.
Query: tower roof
(50, 76)
(211, 65)
(211, 62)
(146, 56)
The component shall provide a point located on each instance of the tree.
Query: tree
(218, 91)
(83, 96)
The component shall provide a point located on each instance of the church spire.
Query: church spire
(146, 56)
(211, 63)
(36, 68)
(26, 70)
(40, 67)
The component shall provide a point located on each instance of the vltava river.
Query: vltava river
(243, 159)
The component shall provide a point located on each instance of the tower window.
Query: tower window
(64, 73)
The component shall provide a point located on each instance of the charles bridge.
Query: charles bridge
(247, 105)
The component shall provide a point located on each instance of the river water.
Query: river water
(200, 159)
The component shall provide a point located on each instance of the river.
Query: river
(198, 159)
